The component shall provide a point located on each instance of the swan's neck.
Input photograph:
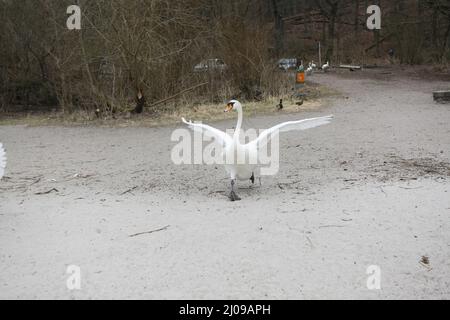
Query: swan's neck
(239, 123)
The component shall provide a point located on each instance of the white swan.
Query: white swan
(2, 161)
(310, 69)
(234, 148)
(326, 67)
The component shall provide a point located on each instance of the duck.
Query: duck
(313, 65)
(140, 103)
(326, 67)
(280, 105)
(234, 149)
(2, 161)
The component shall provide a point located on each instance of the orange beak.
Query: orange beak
(229, 107)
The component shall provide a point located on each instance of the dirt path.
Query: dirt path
(370, 189)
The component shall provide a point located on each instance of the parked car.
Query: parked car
(211, 65)
(287, 64)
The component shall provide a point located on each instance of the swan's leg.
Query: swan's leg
(233, 195)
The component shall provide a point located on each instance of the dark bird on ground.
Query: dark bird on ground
(280, 105)
(140, 103)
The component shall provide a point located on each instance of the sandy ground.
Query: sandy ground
(370, 189)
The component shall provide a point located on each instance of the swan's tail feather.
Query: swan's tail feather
(2, 161)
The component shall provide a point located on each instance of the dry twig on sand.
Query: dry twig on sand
(46, 192)
(149, 232)
(129, 190)
(331, 226)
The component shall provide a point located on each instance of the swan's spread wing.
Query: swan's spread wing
(306, 124)
(220, 136)
(2, 161)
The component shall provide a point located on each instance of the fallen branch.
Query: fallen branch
(411, 188)
(178, 94)
(331, 226)
(378, 42)
(129, 190)
(216, 192)
(346, 66)
(149, 232)
(47, 192)
(382, 190)
(310, 242)
(36, 182)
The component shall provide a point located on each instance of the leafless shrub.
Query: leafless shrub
(152, 45)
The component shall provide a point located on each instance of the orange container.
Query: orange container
(301, 77)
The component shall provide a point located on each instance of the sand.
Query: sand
(372, 188)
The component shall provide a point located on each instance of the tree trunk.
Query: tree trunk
(332, 33)
(356, 19)
(444, 45)
(434, 28)
(376, 34)
(279, 29)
